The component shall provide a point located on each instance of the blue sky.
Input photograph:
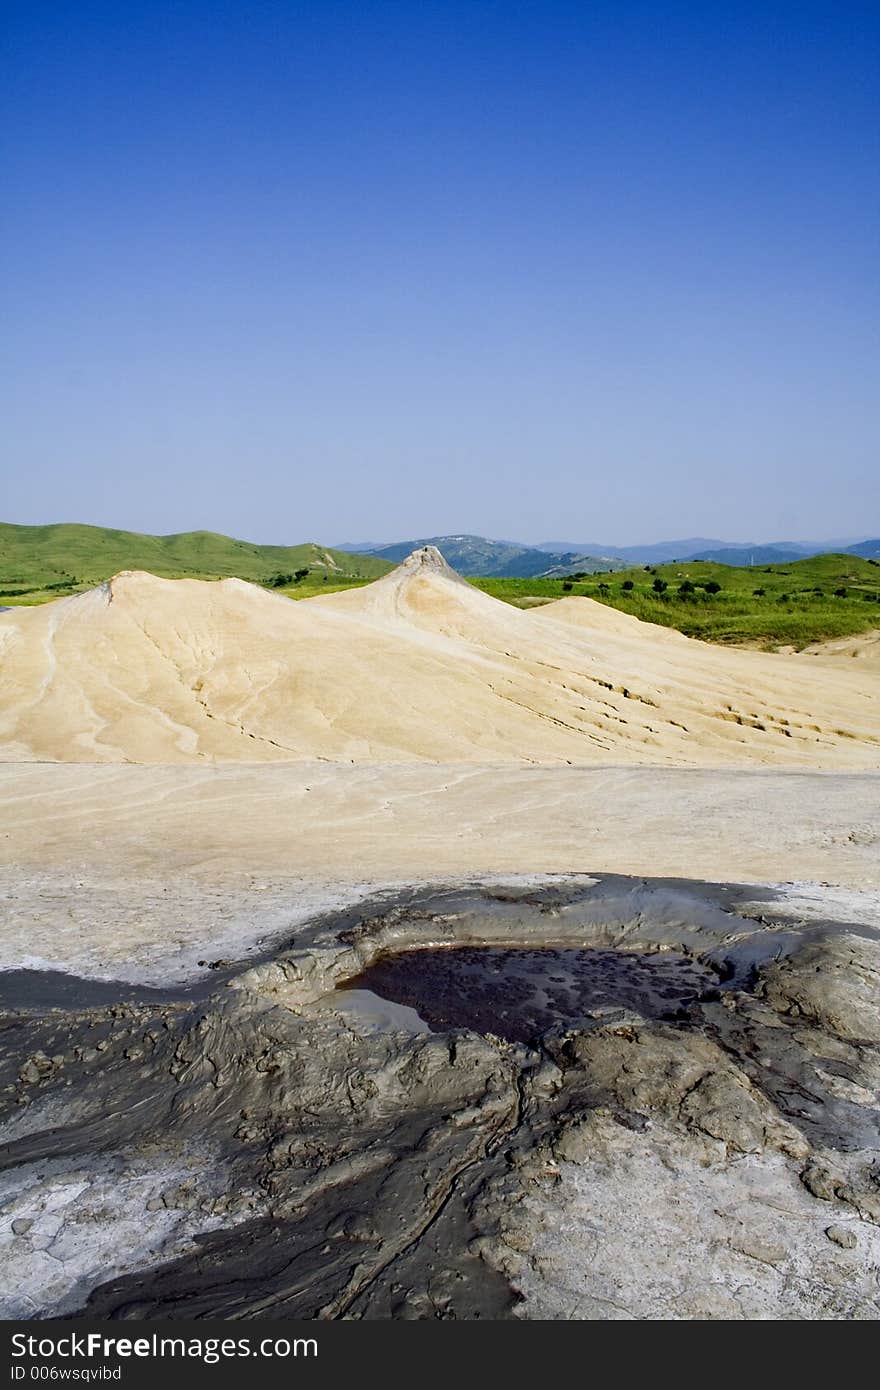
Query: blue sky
(338, 271)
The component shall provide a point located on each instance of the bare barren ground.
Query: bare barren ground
(237, 1137)
(438, 960)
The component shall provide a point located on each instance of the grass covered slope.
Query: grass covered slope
(796, 603)
(43, 562)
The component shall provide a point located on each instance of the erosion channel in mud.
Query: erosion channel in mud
(519, 993)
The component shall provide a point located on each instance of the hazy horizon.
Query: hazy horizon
(334, 541)
(290, 272)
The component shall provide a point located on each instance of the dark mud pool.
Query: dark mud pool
(517, 993)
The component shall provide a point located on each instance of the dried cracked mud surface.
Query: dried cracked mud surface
(613, 1098)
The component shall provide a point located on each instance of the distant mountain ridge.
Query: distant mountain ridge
(479, 555)
(869, 550)
(744, 555)
(780, 552)
(722, 552)
(656, 553)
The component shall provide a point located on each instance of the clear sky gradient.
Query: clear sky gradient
(339, 270)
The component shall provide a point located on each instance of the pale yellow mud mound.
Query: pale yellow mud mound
(864, 648)
(593, 616)
(419, 666)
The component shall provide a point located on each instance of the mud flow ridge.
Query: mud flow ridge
(519, 993)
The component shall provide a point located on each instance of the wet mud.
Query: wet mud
(519, 994)
(267, 1144)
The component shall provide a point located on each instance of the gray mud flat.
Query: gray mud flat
(621, 1099)
(29, 991)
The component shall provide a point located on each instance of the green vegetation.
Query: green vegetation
(44, 562)
(318, 583)
(793, 604)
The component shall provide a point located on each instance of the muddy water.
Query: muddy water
(518, 994)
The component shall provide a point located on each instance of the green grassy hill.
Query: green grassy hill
(794, 604)
(42, 562)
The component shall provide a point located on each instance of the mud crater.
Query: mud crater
(520, 993)
(286, 1149)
